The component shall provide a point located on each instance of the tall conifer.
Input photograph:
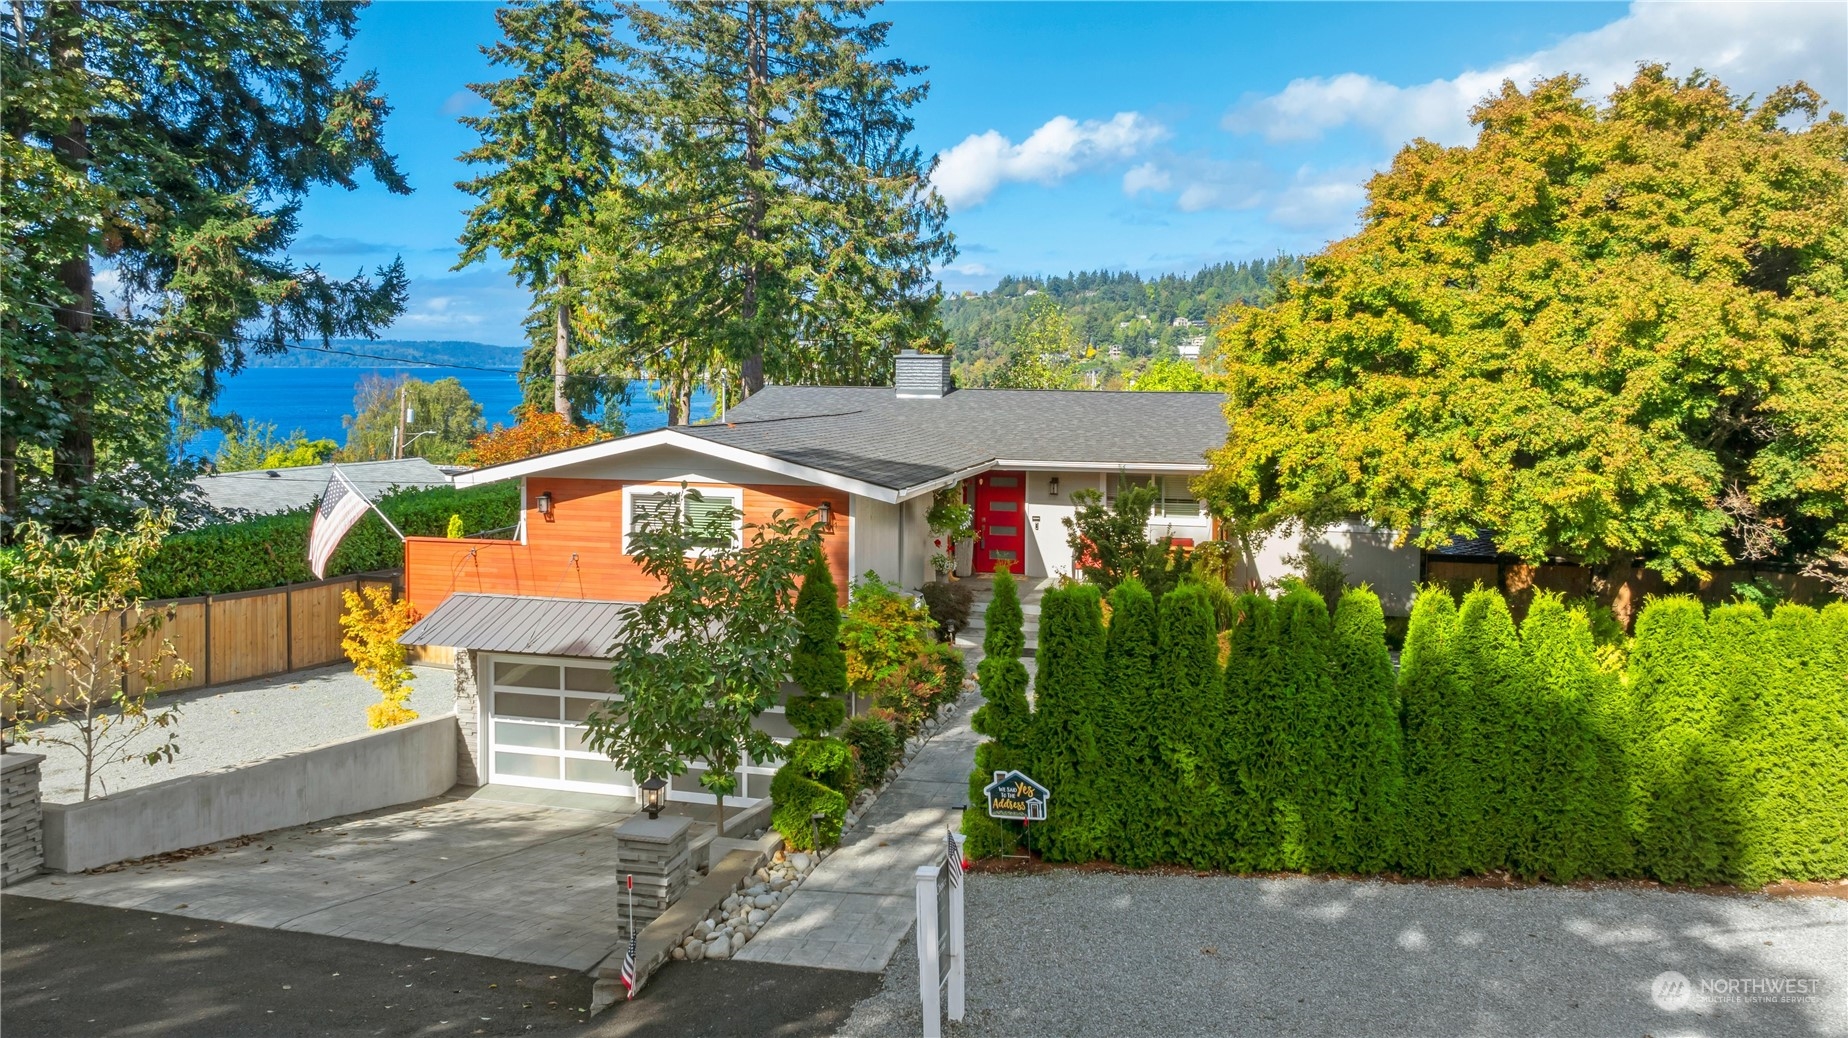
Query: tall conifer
(1128, 739)
(1069, 692)
(1428, 697)
(817, 663)
(1368, 750)
(1683, 793)
(1005, 717)
(1191, 805)
(1255, 738)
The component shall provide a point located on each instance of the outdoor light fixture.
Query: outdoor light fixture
(1052, 487)
(815, 821)
(826, 513)
(545, 503)
(653, 792)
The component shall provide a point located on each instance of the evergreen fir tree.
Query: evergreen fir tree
(1682, 787)
(817, 663)
(1065, 755)
(1005, 717)
(1191, 806)
(1127, 736)
(1369, 756)
(550, 140)
(1428, 703)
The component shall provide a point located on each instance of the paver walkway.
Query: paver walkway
(858, 904)
(511, 881)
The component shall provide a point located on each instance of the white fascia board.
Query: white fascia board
(1101, 466)
(938, 484)
(673, 438)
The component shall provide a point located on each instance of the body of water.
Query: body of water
(315, 400)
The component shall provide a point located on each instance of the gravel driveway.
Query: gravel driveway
(1092, 954)
(236, 724)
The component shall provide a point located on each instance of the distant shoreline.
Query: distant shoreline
(395, 353)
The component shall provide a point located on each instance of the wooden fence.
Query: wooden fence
(247, 634)
(1519, 581)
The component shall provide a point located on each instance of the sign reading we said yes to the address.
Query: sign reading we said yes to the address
(1012, 795)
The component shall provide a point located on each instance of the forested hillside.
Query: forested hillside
(369, 353)
(1109, 308)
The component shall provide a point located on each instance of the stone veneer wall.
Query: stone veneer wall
(469, 765)
(22, 834)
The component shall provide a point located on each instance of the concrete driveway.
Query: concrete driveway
(522, 882)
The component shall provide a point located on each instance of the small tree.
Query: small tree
(74, 605)
(373, 623)
(533, 432)
(1111, 541)
(705, 655)
(817, 663)
(1006, 717)
(1066, 756)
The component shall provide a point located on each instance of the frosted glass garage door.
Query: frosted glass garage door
(535, 725)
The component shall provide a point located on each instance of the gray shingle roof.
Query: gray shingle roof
(523, 624)
(869, 433)
(262, 491)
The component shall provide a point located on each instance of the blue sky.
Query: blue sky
(1151, 137)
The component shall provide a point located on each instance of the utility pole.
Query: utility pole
(397, 439)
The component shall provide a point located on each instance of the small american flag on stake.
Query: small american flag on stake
(628, 960)
(953, 857)
(341, 506)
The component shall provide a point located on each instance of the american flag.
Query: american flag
(341, 506)
(628, 964)
(953, 855)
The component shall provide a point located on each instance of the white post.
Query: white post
(957, 953)
(927, 951)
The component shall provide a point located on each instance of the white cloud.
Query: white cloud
(1752, 48)
(1320, 199)
(969, 172)
(1146, 177)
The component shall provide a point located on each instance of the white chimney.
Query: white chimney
(921, 376)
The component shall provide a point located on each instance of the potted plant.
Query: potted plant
(950, 521)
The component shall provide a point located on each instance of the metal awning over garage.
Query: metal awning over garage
(522, 624)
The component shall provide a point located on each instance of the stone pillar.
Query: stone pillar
(471, 770)
(655, 852)
(22, 835)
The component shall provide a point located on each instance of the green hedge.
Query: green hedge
(1129, 717)
(272, 550)
(1190, 695)
(1006, 718)
(1428, 680)
(1369, 764)
(1068, 705)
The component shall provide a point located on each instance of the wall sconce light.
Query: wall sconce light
(545, 504)
(1052, 487)
(653, 792)
(826, 514)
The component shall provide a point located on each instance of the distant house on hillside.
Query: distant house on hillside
(265, 491)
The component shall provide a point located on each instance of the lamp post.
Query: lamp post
(653, 793)
(815, 821)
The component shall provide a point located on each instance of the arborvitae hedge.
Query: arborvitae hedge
(1006, 718)
(1428, 681)
(1067, 708)
(1130, 720)
(1254, 745)
(1493, 795)
(1188, 683)
(1794, 752)
(1578, 793)
(1369, 767)
(817, 662)
(1303, 788)
(1684, 795)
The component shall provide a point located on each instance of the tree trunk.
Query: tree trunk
(561, 352)
(73, 456)
(755, 116)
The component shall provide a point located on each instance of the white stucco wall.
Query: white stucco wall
(875, 538)
(1048, 551)
(1364, 551)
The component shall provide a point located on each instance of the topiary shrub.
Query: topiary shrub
(1005, 718)
(817, 663)
(1128, 719)
(1191, 803)
(797, 798)
(1069, 692)
(949, 606)
(1492, 792)
(1367, 745)
(1427, 697)
(876, 744)
(1683, 794)
(1302, 782)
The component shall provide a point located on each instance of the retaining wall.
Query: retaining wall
(412, 761)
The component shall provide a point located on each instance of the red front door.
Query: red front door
(1000, 522)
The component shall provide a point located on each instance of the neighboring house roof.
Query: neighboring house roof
(1477, 547)
(894, 448)
(262, 491)
(517, 623)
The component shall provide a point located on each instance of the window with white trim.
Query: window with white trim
(1174, 499)
(704, 508)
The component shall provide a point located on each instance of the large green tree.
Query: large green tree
(168, 146)
(441, 420)
(1044, 333)
(549, 142)
(773, 219)
(1607, 330)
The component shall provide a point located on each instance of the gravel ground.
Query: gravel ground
(1091, 954)
(236, 724)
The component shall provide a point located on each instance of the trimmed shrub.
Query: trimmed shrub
(272, 550)
(1224, 602)
(1005, 718)
(1191, 803)
(1303, 785)
(949, 606)
(1427, 697)
(1128, 719)
(1578, 794)
(798, 798)
(1254, 747)
(1369, 755)
(1793, 745)
(1069, 695)
(1496, 735)
(876, 744)
(932, 680)
(1682, 788)
(817, 663)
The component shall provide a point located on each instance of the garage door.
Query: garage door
(536, 707)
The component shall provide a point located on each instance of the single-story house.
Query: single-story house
(529, 618)
(263, 491)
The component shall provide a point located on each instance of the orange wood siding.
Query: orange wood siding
(586, 520)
